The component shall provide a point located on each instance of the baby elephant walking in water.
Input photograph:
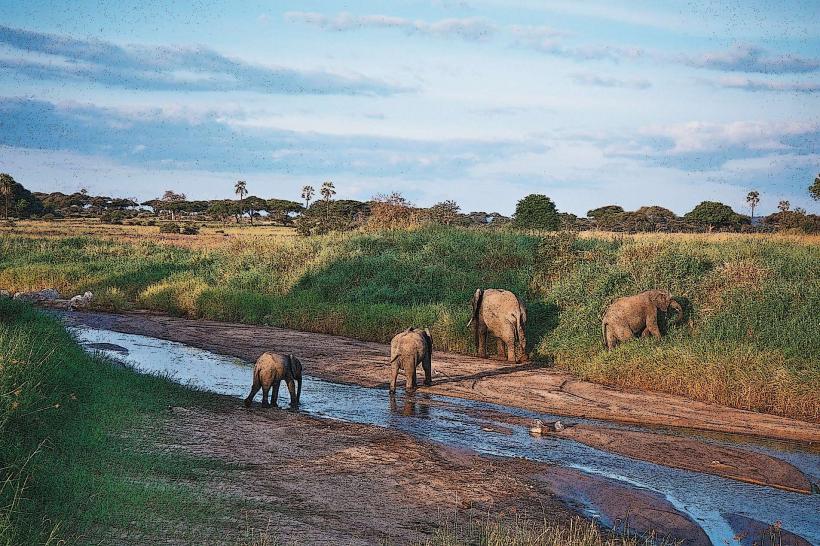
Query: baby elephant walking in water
(269, 372)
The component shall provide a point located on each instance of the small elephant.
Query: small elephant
(407, 350)
(269, 371)
(636, 315)
(500, 313)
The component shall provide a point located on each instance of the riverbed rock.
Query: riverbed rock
(695, 455)
(47, 294)
(750, 532)
(625, 508)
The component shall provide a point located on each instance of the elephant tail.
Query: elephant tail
(603, 334)
(393, 359)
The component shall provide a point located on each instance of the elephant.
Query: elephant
(407, 350)
(500, 313)
(269, 371)
(636, 315)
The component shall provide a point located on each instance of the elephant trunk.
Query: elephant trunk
(678, 309)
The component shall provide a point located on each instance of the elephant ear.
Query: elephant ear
(661, 299)
(476, 303)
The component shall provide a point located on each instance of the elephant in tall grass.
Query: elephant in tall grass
(500, 313)
(636, 315)
(268, 373)
(408, 349)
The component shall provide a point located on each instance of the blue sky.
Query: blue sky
(481, 101)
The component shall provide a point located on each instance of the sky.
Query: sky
(480, 101)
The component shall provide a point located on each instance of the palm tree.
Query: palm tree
(7, 190)
(753, 198)
(241, 189)
(307, 195)
(784, 206)
(328, 190)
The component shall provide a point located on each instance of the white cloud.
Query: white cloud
(699, 136)
(470, 28)
(597, 80)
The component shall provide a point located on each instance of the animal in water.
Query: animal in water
(269, 372)
(408, 349)
(502, 314)
(636, 315)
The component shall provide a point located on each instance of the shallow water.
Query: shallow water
(449, 421)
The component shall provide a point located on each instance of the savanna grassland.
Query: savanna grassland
(750, 337)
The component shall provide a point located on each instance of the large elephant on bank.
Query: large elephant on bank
(408, 349)
(636, 315)
(269, 372)
(500, 313)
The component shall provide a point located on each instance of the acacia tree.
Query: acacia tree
(328, 191)
(784, 206)
(6, 189)
(753, 198)
(814, 189)
(241, 189)
(537, 212)
(714, 214)
(307, 194)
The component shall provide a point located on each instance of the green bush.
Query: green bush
(169, 227)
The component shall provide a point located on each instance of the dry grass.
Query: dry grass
(575, 532)
(796, 237)
(211, 235)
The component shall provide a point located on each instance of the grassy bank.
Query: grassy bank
(79, 460)
(750, 338)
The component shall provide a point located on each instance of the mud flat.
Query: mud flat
(609, 481)
(528, 386)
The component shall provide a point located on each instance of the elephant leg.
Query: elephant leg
(481, 337)
(509, 342)
(522, 344)
(274, 397)
(254, 389)
(652, 325)
(265, 391)
(394, 375)
(409, 373)
(294, 400)
(427, 364)
(499, 345)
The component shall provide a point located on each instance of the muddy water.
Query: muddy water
(704, 498)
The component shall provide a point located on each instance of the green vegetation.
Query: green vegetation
(80, 457)
(749, 339)
(537, 212)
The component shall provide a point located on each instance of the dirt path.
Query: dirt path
(525, 386)
(330, 482)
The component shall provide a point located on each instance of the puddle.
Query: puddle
(457, 422)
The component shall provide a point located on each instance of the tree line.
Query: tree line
(320, 213)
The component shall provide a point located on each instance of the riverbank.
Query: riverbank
(92, 452)
(529, 386)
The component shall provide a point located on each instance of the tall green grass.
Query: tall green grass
(749, 340)
(79, 455)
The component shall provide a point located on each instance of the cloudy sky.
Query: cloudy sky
(481, 101)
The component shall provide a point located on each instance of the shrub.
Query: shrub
(170, 227)
(537, 212)
(190, 230)
(113, 217)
